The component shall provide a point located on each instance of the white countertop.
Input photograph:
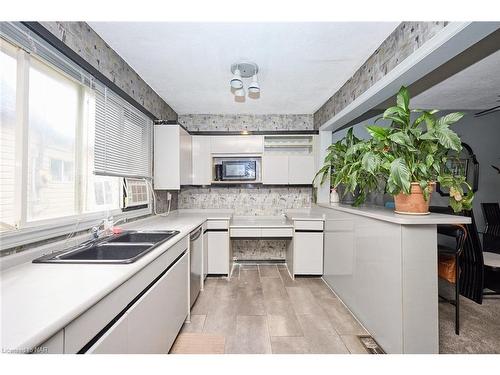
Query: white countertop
(388, 214)
(38, 300)
(260, 222)
(304, 214)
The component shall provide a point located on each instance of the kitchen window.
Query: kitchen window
(50, 121)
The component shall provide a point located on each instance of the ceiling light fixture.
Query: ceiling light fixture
(245, 70)
(236, 82)
(254, 87)
(240, 92)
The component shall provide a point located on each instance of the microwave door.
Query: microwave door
(238, 170)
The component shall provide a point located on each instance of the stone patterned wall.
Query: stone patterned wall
(407, 38)
(246, 122)
(82, 39)
(259, 249)
(255, 201)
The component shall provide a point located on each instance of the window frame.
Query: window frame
(25, 231)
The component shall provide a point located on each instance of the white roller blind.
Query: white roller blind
(123, 137)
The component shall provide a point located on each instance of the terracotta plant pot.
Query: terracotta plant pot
(413, 203)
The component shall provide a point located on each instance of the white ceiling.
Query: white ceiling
(188, 64)
(476, 87)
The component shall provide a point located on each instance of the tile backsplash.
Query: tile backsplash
(245, 201)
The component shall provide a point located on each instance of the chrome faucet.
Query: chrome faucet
(96, 231)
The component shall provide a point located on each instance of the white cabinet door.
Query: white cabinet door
(186, 166)
(237, 144)
(166, 157)
(218, 252)
(274, 169)
(157, 317)
(114, 341)
(301, 169)
(202, 160)
(308, 253)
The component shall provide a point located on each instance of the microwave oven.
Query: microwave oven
(239, 170)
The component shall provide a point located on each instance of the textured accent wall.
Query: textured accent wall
(256, 201)
(82, 39)
(406, 39)
(246, 122)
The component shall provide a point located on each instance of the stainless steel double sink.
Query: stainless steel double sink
(123, 248)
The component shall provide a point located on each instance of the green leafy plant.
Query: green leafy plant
(397, 155)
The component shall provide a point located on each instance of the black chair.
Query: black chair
(491, 235)
(449, 263)
(471, 260)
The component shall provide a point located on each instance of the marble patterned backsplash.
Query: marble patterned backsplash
(254, 201)
(259, 249)
(225, 122)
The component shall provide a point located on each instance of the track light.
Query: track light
(236, 82)
(240, 92)
(254, 87)
(243, 70)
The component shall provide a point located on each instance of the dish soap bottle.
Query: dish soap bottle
(334, 196)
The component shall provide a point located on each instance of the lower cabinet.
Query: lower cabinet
(308, 253)
(152, 323)
(218, 252)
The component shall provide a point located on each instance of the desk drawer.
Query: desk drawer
(277, 232)
(217, 224)
(246, 232)
(308, 224)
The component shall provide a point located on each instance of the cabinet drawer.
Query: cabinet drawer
(245, 232)
(217, 224)
(277, 232)
(308, 225)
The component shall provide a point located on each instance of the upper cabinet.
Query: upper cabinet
(172, 157)
(202, 160)
(182, 159)
(288, 160)
(237, 144)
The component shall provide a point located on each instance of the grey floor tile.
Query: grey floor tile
(353, 344)
(221, 319)
(273, 288)
(268, 270)
(285, 276)
(320, 335)
(341, 318)
(250, 301)
(205, 298)
(285, 324)
(303, 301)
(289, 345)
(196, 325)
(249, 277)
(251, 337)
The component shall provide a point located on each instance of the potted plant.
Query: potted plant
(405, 159)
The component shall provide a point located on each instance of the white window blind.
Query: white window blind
(123, 138)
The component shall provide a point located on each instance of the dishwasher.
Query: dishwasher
(196, 257)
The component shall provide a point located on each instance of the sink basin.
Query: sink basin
(126, 247)
(106, 251)
(135, 237)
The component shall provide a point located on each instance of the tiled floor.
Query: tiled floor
(260, 309)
